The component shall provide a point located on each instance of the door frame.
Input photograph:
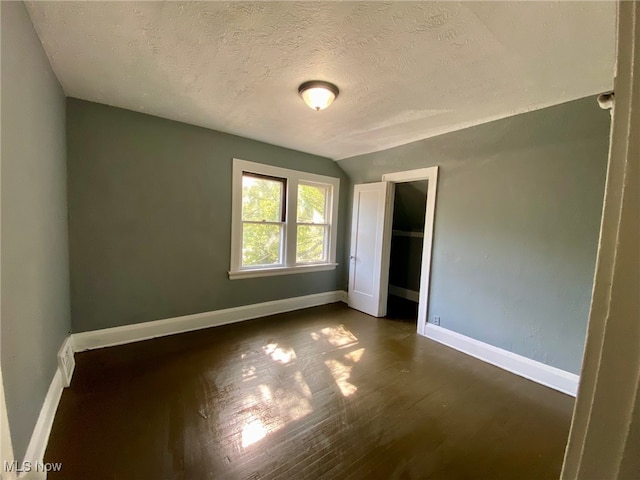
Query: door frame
(431, 175)
(602, 442)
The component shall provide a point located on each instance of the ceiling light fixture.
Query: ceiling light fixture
(318, 94)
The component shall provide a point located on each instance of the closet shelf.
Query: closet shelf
(404, 233)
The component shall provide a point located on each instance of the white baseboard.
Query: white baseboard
(6, 445)
(42, 430)
(344, 296)
(109, 337)
(405, 293)
(542, 373)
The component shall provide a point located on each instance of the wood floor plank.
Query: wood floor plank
(323, 393)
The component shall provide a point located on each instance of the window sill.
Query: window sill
(269, 272)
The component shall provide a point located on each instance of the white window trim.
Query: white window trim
(294, 177)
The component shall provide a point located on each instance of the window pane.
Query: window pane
(312, 203)
(261, 244)
(262, 199)
(311, 245)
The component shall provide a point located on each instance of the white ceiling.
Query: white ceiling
(406, 70)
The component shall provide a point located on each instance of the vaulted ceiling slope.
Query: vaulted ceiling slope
(406, 70)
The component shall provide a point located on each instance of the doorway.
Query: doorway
(371, 237)
(430, 177)
(407, 237)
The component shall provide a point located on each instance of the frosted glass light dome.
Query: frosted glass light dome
(318, 94)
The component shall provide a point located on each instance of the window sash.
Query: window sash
(283, 191)
(263, 222)
(327, 196)
(325, 243)
(281, 234)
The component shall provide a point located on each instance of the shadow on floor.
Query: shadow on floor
(401, 309)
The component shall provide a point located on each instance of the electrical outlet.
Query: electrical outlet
(436, 321)
(66, 361)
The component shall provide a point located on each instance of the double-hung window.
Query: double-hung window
(283, 221)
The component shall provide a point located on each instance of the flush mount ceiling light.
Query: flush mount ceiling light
(318, 94)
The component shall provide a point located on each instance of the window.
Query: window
(283, 221)
(312, 223)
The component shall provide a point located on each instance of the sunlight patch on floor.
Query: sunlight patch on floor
(341, 371)
(267, 408)
(253, 432)
(248, 373)
(336, 336)
(355, 356)
(270, 405)
(278, 354)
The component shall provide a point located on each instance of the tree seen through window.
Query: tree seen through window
(262, 219)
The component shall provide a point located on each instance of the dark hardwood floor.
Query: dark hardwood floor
(323, 393)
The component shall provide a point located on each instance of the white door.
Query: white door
(370, 247)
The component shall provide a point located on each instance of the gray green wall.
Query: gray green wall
(150, 218)
(516, 230)
(34, 250)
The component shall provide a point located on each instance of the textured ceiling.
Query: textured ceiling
(406, 70)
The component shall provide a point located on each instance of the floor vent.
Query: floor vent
(66, 361)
